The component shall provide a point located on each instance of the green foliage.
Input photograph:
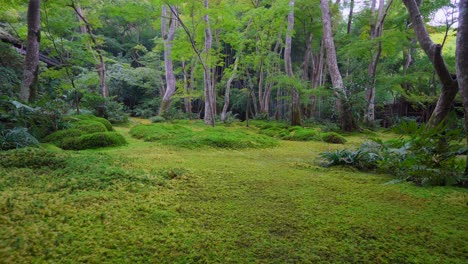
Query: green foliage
(15, 138)
(426, 156)
(34, 158)
(94, 140)
(183, 136)
(332, 137)
(92, 118)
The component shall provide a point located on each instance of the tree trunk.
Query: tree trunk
(347, 120)
(461, 61)
(376, 32)
(296, 119)
(100, 63)
(350, 17)
(168, 37)
(228, 90)
(31, 63)
(209, 95)
(434, 52)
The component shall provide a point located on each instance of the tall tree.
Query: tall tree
(461, 59)
(210, 103)
(434, 53)
(168, 37)
(296, 107)
(100, 62)
(31, 63)
(347, 120)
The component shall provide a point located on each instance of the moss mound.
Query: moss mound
(86, 132)
(76, 118)
(94, 140)
(33, 158)
(334, 138)
(218, 137)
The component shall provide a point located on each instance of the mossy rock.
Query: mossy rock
(33, 158)
(334, 138)
(94, 140)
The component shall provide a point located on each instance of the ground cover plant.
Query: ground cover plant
(182, 135)
(148, 202)
(297, 133)
(85, 132)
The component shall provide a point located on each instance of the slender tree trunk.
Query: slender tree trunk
(100, 62)
(209, 95)
(461, 60)
(228, 90)
(168, 37)
(187, 100)
(434, 53)
(377, 31)
(347, 120)
(296, 119)
(350, 17)
(31, 63)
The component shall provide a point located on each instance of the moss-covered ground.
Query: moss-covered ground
(148, 202)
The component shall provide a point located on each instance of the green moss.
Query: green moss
(334, 138)
(304, 134)
(218, 137)
(89, 126)
(58, 137)
(77, 118)
(94, 140)
(31, 158)
(148, 203)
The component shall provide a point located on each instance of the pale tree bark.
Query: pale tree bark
(204, 60)
(296, 119)
(210, 104)
(228, 90)
(376, 32)
(462, 61)
(434, 53)
(100, 63)
(31, 63)
(168, 37)
(347, 120)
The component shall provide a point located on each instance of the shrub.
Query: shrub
(94, 140)
(32, 158)
(427, 156)
(17, 137)
(334, 138)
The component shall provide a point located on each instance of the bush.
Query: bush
(427, 156)
(17, 137)
(95, 140)
(334, 138)
(32, 158)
